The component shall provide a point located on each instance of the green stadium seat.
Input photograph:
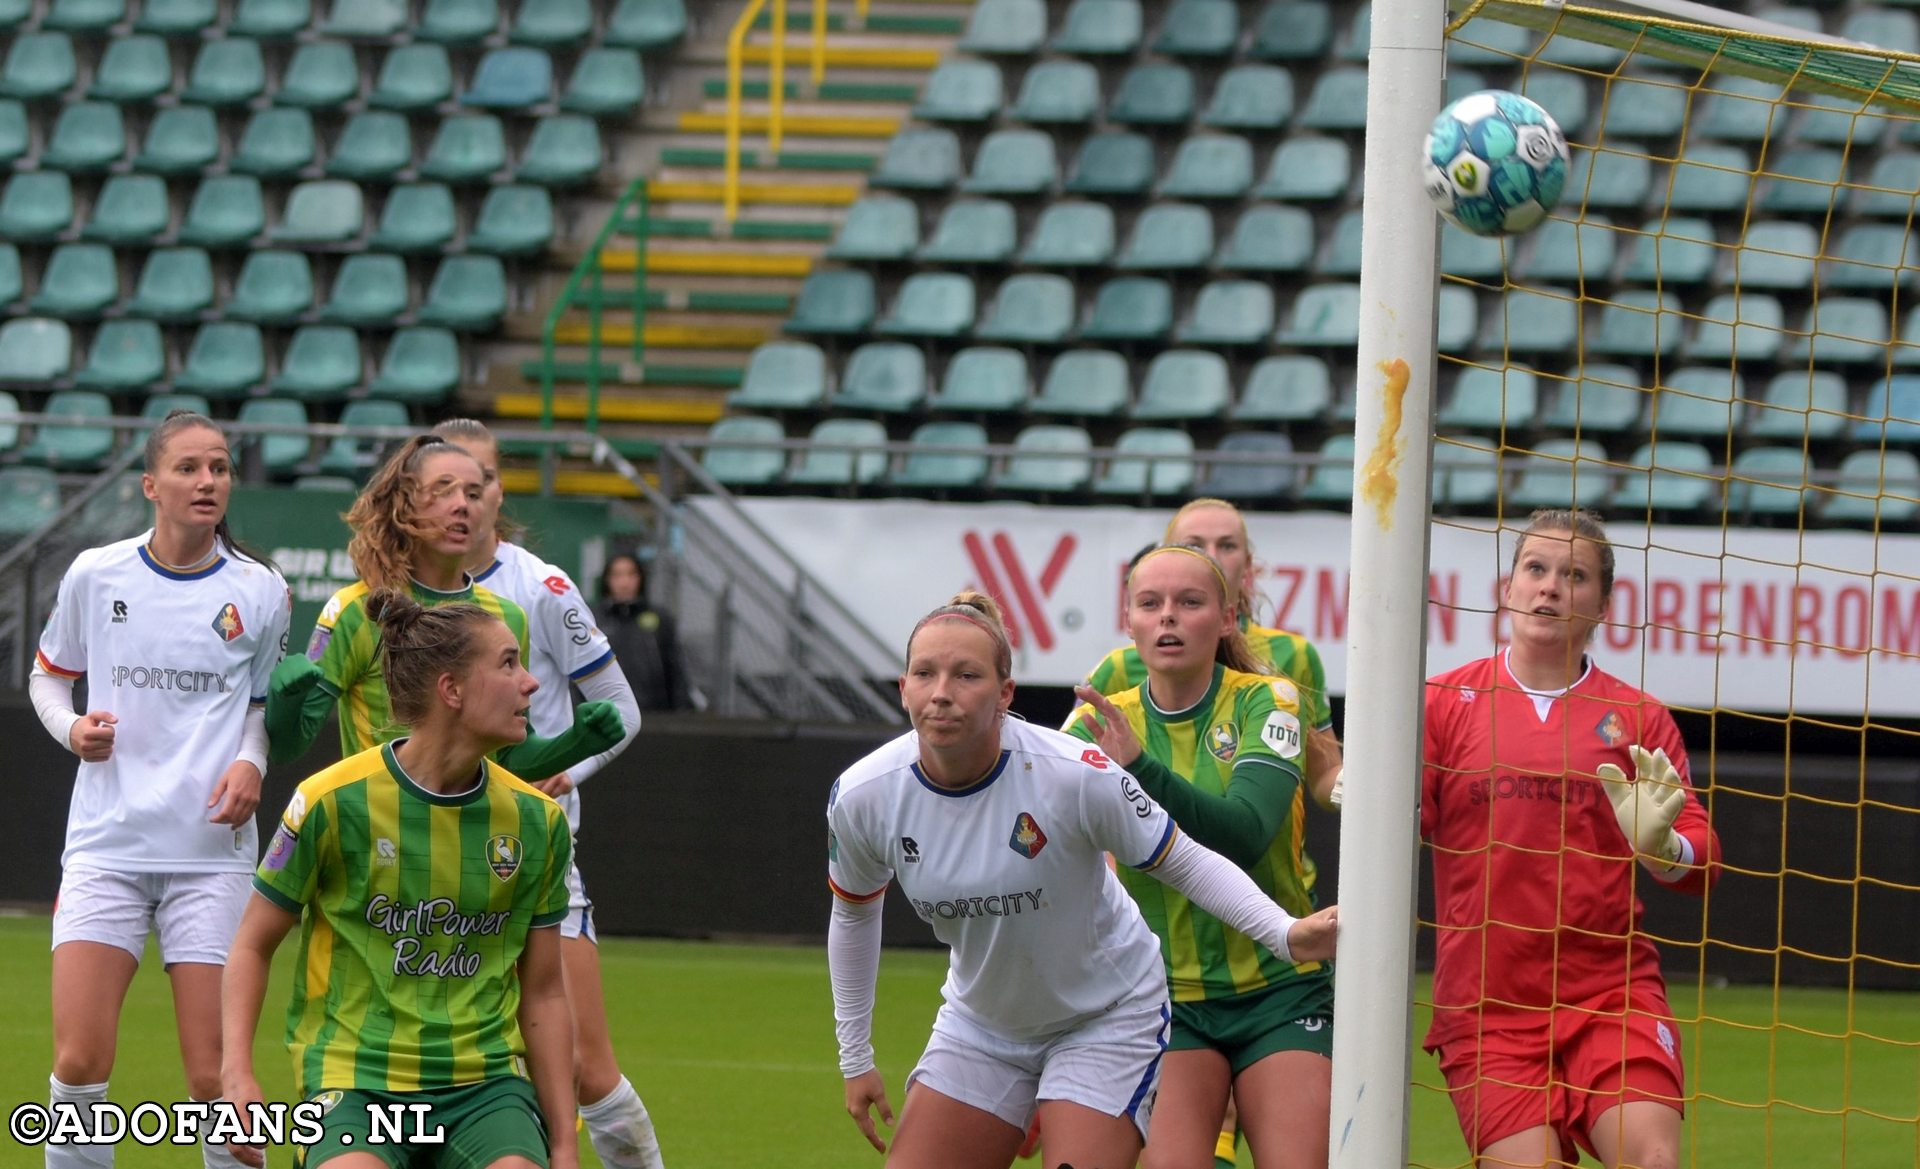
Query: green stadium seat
(14, 139)
(354, 458)
(417, 217)
(1607, 180)
(513, 221)
(1533, 320)
(1598, 58)
(1331, 479)
(280, 455)
(564, 152)
(34, 350)
(38, 65)
(961, 90)
(133, 69)
(35, 206)
(1474, 257)
(152, 412)
(1466, 473)
(782, 375)
(177, 18)
(512, 79)
(1148, 461)
(322, 211)
(1210, 166)
(1801, 180)
(176, 284)
(1229, 312)
(931, 304)
(14, 13)
(1875, 487)
(940, 470)
(468, 293)
(1034, 308)
(84, 16)
(984, 379)
(1269, 238)
(1745, 326)
(1062, 92)
(375, 146)
(1698, 400)
(646, 24)
(1269, 478)
(923, 158)
(1668, 475)
(1170, 236)
(1309, 170)
(226, 72)
(1679, 250)
(1292, 30)
(87, 137)
(1561, 472)
(421, 366)
(1085, 383)
(270, 20)
(1604, 398)
(1153, 95)
(1563, 93)
(1767, 481)
(833, 301)
(1131, 308)
(365, 19)
(1485, 398)
(1013, 162)
(1199, 28)
(276, 144)
(467, 148)
(878, 227)
(180, 140)
(888, 377)
(459, 22)
(1359, 39)
(9, 440)
(272, 288)
(1251, 97)
(226, 211)
(1323, 314)
(1638, 107)
(1071, 234)
(1889, 190)
(1888, 28)
(1458, 320)
(73, 448)
(1801, 404)
(1563, 250)
(1338, 100)
(1777, 254)
(1891, 411)
(81, 281)
(842, 452)
(1638, 322)
(1285, 388)
(1341, 256)
(1833, 121)
(225, 360)
(11, 284)
(321, 364)
(1841, 330)
(320, 75)
(1184, 385)
(1112, 163)
(606, 83)
(1737, 109)
(1049, 458)
(1873, 256)
(1005, 28)
(971, 231)
(29, 500)
(552, 22)
(1099, 28)
(126, 355)
(414, 78)
(370, 289)
(131, 209)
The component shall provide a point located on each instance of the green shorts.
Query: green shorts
(1296, 1015)
(468, 1127)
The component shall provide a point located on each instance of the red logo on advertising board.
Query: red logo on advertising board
(1004, 576)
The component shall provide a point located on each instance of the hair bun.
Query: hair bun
(979, 602)
(394, 611)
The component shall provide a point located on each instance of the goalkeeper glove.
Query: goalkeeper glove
(1647, 805)
(1337, 794)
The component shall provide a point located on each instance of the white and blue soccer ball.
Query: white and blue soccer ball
(1495, 163)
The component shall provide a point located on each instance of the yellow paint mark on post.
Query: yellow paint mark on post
(1380, 481)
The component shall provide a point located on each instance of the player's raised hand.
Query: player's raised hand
(863, 1092)
(1111, 731)
(556, 786)
(1311, 939)
(599, 725)
(295, 675)
(1647, 805)
(237, 795)
(91, 737)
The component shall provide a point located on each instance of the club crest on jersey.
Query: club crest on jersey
(1665, 1038)
(1224, 741)
(329, 1100)
(1611, 729)
(503, 856)
(1027, 839)
(227, 622)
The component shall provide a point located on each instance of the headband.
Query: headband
(1209, 561)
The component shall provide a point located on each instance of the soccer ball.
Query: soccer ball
(1495, 163)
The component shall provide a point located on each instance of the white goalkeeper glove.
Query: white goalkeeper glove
(1647, 805)
(1337, 794)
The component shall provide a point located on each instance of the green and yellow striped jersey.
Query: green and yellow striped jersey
(346, 647)
(1242, 717)
(1287, 654)
(415, 908)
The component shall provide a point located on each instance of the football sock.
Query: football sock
(219, 1155)
(82, 1097)
(621, 1130)
(1223, 1156)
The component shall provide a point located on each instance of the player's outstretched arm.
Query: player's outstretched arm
(1646, 807)
(1216, 885)
(297, 707)
(597, 727)
(243, 988)
(546, 1024)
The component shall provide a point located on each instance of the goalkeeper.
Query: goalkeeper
(1552, 794)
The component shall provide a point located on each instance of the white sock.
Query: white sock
(219, 1155)
(81, 1096)
(621, 1130)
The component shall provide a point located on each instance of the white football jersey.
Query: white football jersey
(177, 658)
(564, 642)
(1011, 873)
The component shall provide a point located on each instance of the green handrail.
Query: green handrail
(589, 272)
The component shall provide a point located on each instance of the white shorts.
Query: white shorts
(196, 913)
(1110, 1064)
(579, 920)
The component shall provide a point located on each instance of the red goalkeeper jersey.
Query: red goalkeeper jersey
(1533, 878)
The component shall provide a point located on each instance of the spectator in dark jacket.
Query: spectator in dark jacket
(642, 636)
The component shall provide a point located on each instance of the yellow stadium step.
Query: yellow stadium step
(669, 336)
(711, 263)
(791, 194)
(526, 481)
(800, 55)
(614, 408)
(798, 125)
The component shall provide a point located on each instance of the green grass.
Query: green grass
(732, 1048)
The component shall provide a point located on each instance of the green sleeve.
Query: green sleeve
(1241, 822)
(596, 727)
(297, 708)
